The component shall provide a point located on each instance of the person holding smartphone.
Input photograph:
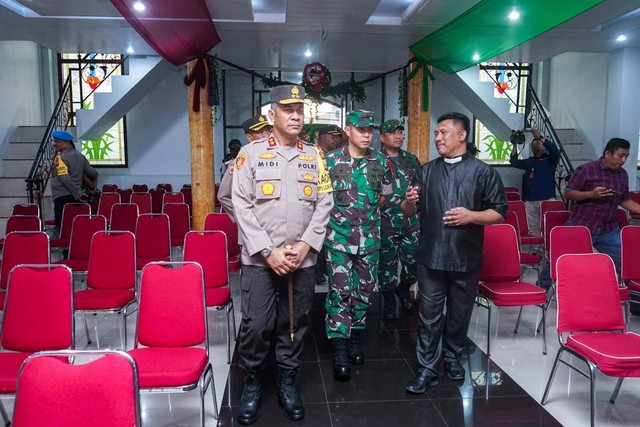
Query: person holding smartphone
(598, 188)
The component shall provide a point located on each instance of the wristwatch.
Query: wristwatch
(266, 251)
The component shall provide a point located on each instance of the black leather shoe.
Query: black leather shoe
(425, 379)
(404, 295)
(248, 408)
(353, 348)
(288, 396)
(454, 370)
(341, 371)
(388, 305)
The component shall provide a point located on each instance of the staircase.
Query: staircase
(15, 168)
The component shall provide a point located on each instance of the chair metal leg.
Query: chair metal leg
(551, 376)
(86, 328)
(233, 319)
(488, 329)
(515, 331)
(614, 396)
(592, 378)
(552, 291)
(123, 332)
(544, 332)
(5, 417)
(228, 337)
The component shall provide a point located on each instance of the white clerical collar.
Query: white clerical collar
(453, 159)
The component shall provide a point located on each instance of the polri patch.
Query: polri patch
(240, 160)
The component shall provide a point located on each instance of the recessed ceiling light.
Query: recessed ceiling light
(130, 50)
(621, 38)
(476, 57)
(139, 6)
(514, 15)
(307, 53)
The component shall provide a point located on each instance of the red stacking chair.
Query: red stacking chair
(553, 219)
(100, 393)
(222, 222)
(186, 191)
(109, 188)
(590, 325)
(179, 221)
(623, 218)
(171, 348)
(140, 188)
(500, 283)
(172, 198)
(38, 315)
(547, 206)
(156, 199)
(22, 247)
(508, 189)
(143, 200)
(109, 289)
(527, 238)
(69, 212)
(124, 217)
(512, 196)
(630, 268)
(165, 186)
(26, 209)
(635, 196)
(125, 194)
(84, 227)
(526, 259)
(209, 249)
(153, 240)
(106, 201)
(21, 223)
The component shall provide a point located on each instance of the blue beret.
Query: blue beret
(62, 135)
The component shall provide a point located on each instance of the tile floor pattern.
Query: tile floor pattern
(375, 396)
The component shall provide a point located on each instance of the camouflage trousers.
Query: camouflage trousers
(352, 280)
(397, 253)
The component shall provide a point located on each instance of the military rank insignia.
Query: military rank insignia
(306, 158)
(307, 177)
(240, 160)
(267, 156)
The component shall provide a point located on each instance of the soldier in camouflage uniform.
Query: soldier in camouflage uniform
(399, 232)
(353, 238)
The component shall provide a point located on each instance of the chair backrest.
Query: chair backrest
(152, 236)
(156, 199)
(512, 196)
(69, 212)
(547, 206)
(623, 218)
(143, 200)
(111, 249)
(82, 231)
(209, 249)
(500, 254)
(103, 392)
(508, 189)
(587, 294)
(520, 210)
(106, 201)
(125, 194)
(172, 198)
(109, 188)
(222, 222)
(23, 223)
(512, 219)
(171, 306)
(124, 217)
(635, 196)
(553, 219)
(630, 238)
(25, 209)
(140, 188)
(179, 221)
(186, 191)
(38, 310)
(165, 186)
(568, 239)
(23, 247)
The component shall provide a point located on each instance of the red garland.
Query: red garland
(316, 76)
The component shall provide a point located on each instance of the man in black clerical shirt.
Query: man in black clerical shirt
(457, 196)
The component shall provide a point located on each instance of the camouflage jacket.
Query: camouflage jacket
(401, 174)
(354, 221)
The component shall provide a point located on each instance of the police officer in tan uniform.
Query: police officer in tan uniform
(281, 197)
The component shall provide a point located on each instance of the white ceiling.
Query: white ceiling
(345, 35)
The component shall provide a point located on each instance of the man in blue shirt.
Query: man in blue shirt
(538, 182)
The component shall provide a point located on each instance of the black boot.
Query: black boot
(388, 305)
(250, 400)
(288, 396)
(341, 370)
(353, 348)
(404, 295)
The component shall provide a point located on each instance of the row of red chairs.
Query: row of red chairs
(141, 187)
(170, 354)
(148, 202)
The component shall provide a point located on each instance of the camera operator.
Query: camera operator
(538, 182)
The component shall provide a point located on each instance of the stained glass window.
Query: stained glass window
(510, 81)
(492, 150)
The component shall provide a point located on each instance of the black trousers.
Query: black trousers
(58, 207)
(265, 305)
(439, 333)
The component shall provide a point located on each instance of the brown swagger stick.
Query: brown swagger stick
(290, 290)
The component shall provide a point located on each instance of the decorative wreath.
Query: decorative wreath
(316, 76)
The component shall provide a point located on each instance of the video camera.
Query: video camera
(517, 137)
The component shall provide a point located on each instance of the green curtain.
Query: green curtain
(485, 30)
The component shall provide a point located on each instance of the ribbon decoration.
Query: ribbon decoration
(199, 77)
(426, 76)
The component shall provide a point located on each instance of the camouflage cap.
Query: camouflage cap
(391, 125)
(255, 124)
(287, 94)
(329, 130)
(361, 119)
